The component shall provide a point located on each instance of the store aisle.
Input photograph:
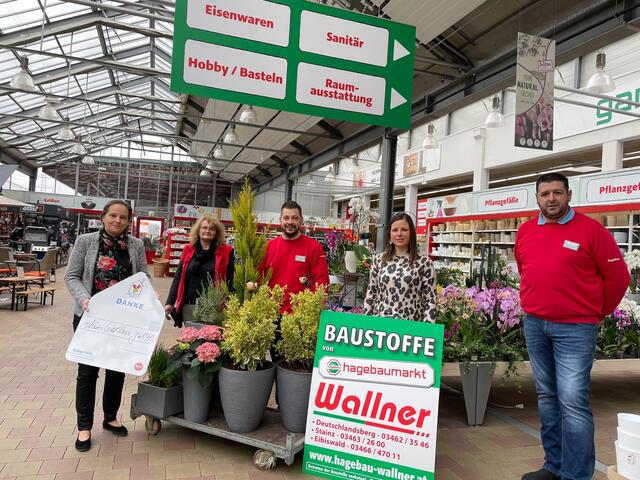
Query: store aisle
(37, 420)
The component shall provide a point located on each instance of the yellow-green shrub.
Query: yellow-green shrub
(300, 328)
(250, 327)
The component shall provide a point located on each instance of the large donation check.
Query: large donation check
(121, 328)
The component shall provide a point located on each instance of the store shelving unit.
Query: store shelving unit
(456, 242)
(175, 245)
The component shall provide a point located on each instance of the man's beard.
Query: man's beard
(291, 235)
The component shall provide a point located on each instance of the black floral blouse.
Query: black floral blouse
(399, 289)
(113, 262)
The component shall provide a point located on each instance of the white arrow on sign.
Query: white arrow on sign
(396, 99)
(399, 51)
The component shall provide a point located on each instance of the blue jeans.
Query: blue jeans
(561, 357)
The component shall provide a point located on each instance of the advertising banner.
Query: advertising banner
(411, 164)
(373, 407)
(76, 202)
(181, 210)
(295, 56)
(121, 328)
(534, 92)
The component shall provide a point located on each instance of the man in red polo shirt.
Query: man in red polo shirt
(297, 261)
(572, 276)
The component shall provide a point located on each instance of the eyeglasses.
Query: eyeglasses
(208, 229)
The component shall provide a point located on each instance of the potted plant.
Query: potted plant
(161, 395)
(297, 347)
(632, 259)
(619, 333)
(360, 217)
(482, 326)
(250, 247)
(209, 308)
(197, 355)
(246, 381)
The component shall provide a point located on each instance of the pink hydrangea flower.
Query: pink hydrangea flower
(208, 352)
(212, 333)
(189, 335)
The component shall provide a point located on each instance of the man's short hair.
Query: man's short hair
(553, 177)
(291, 205)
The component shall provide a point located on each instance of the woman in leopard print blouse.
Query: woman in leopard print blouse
(401, 283)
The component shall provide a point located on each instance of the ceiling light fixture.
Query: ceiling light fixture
(78, 149)
(430, 142)
(231, 136)
(495, 118)
(88, 160)
(65, 132)
(205, 172)
(219, 152)
(48, 112)
(22, 79)
(601, 81)
(248, 115)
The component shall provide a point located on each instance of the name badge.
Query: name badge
(571, 245)
(301, 258)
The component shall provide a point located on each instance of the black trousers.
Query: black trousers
(86, 392)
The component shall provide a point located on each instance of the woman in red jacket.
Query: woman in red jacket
(205, 258)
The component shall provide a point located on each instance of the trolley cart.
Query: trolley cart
(271, 439)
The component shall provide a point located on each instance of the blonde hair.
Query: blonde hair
(195, 229)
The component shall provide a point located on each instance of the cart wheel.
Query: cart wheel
(264, 460)
(152, 426)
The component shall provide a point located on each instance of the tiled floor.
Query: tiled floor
(37, 420)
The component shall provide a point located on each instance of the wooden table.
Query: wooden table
(15, 282)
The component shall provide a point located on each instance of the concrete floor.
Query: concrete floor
(37, 419)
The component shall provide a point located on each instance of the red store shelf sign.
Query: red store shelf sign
(614, 189)
(503, 201)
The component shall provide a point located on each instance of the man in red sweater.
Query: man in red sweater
(572, 276)
(297, 261)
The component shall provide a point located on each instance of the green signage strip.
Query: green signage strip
(295, 56)
(373, 405)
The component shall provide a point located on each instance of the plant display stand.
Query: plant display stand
(476, 385)
(271, 439)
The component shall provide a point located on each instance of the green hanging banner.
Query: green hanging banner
(373, 404)
(295, 56)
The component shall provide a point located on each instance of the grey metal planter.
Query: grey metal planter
(244, 397)
(197, 399)
(159, 402)
(476, 385)
(634, 297)
(196, 325)
(293, 396)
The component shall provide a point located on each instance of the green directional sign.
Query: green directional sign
(296, 56)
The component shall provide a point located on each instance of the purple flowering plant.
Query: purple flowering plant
(336, 244)
(481, 323)
(619, 332)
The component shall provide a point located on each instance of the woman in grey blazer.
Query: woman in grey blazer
(99, 260)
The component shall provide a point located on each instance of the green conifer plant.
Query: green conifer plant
(250, 246)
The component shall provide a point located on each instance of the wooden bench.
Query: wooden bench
(44, 291)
